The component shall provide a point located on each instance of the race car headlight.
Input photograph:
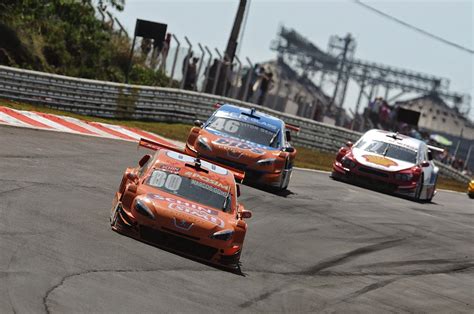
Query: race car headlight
(403, 176)
(143, 209)
(204, 143)
(266, 162)
(348, 163)
(223, 235)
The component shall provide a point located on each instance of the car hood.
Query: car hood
(236, 150)
(187, 216)
(381, 162)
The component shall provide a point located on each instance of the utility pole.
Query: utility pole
(221, 78)
(466, 163)
(347, 41)
(459, 142)
(234, 35)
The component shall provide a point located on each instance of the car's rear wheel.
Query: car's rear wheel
(286, 174)
(114, 214)
(434, 190)
(419, 188)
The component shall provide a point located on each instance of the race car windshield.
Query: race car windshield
(388, 150)
(247, 131)
(190, 189)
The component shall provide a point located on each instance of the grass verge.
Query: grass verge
(306, 157)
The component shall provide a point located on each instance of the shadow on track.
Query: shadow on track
(233, 269)
(269, 189)
(375, 188)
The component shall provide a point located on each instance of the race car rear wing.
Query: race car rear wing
(238, 175)
(292, 127)
(435, 149)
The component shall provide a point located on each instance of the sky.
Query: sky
(378, 39)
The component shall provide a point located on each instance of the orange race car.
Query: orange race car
(182, 203)
(251, 141)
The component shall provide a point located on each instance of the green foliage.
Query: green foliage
(69, 37)
(142, 75)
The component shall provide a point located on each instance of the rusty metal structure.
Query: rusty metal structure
(338, 66)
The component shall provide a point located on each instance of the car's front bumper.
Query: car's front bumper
(252, 175)
(173, 241)
(373, 180)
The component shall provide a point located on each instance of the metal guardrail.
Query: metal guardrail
(115, 100)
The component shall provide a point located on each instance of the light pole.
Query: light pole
(234, 34)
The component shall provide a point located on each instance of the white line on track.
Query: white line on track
(313, 170)
(450, 191)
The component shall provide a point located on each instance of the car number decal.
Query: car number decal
(191, 209)
(230, 143)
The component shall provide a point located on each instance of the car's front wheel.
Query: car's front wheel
(419, 188)
(286, 175)
(114, 214)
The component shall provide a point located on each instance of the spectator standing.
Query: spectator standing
(186, 62)
(164, 52)
(444, 156)
(374, 111)
(384, 115)
(211, 76)
(258, 72)
(191, 74)
(265, 85)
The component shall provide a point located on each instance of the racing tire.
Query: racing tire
(285, 179)
(114, 215)
(471, 196)
(419, 188)
(434, 190)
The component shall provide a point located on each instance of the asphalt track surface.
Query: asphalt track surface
(325, 247)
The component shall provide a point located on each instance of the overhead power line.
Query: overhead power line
(415, 28)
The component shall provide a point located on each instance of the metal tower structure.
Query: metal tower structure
(338, 66)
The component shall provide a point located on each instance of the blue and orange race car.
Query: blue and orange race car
(248, 140)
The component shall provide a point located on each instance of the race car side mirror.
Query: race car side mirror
(245, 214)
(425, 164)
(349, 144)
(288, 135)
(144, 160)
(198, 123)
(132, 188)
(288, 149)
(132, 177)
(430, 155)
(238, 190)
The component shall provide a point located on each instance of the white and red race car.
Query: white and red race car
(391, 161)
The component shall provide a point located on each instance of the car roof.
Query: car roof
(179, 160)
(395, 138)
(251, 115)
